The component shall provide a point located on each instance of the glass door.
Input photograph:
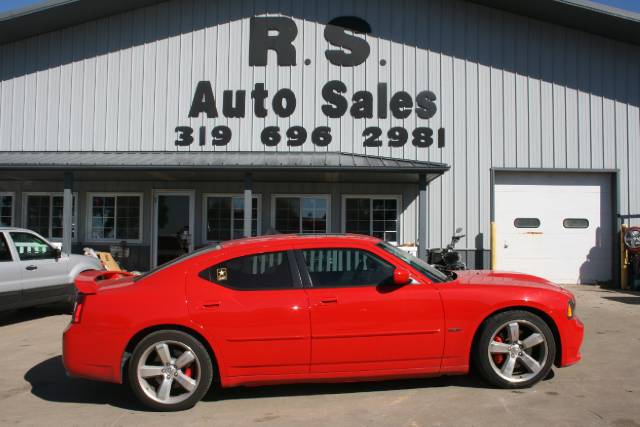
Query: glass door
(173, 225)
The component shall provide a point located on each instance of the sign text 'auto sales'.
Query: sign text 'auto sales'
(277, 34)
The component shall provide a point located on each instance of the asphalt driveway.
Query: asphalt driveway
(604, 389)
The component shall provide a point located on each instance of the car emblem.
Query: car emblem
(221, 274)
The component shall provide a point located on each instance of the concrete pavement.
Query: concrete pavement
(603, 389)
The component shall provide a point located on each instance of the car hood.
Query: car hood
(506, 278)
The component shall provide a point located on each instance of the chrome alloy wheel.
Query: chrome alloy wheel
(168, 372)
(518, 351)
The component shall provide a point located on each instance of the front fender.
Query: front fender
(467, 308)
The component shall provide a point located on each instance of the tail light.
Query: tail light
(78, 308)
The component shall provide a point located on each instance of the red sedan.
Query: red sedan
(285, 309)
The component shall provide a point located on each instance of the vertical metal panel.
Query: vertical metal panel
(511, 91)
(559, 112)
(596, 105)
(546, 96)
(77, 77)
(29, 94)
(113, 93)
(533, 107)
(435, 82)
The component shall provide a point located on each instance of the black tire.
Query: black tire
(494, 366)
(148, 390)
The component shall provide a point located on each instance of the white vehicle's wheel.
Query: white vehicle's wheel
(170, 371)
(516, 349)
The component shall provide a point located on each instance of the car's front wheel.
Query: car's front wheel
(516, 349)
(170, 370)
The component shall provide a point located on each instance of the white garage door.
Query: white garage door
(554, 225)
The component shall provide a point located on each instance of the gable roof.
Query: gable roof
(584, 15)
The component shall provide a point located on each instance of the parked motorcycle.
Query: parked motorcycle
(447, 259)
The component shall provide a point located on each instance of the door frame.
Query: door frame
(155, 193)
(615, 206)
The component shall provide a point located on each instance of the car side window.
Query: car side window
(253, 272)
(31, 247)
(5, 252)
(346, 267)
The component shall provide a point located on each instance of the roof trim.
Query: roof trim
(227, 160)
(584, 15)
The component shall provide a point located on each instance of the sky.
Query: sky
(633, 5)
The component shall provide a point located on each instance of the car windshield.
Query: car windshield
(415, 262)
(177, 260)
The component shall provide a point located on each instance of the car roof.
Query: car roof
(298, 238)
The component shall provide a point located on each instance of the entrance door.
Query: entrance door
(173, 225)
(555, 225)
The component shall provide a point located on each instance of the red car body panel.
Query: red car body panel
(307, 334)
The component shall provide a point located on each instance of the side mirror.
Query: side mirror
(401, 277)
(57, 253)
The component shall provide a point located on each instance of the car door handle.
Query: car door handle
(329, 300)
(32, 267)
(210, 305)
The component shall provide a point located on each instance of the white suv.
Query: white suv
(33, 271)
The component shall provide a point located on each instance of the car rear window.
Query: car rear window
(262, 271)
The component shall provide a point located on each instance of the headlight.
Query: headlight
(571, 309)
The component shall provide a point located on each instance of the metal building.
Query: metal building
(147, 126)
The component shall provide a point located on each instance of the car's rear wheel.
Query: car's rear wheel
(170, 370)
(516, 349)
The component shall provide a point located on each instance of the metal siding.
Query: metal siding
(512, 91)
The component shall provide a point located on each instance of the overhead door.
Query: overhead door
(555, 225)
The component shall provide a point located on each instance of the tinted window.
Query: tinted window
(30, 246)
(5, 253)
(253, 272)
(526, 223)
(575, 223)
(330, 268)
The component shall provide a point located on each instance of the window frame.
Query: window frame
(527, 227)
(306, 274)
(326, 197)
(32, 233)
(52, 194)
(205, 196)
(13, 205)
(564, 225)
(371, 197)
(294, 270)
(89, 216)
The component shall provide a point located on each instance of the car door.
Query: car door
(254, 308)
(10, 276)
(45, 276)
(361, 322)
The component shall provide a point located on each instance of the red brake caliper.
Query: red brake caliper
(187, 372)
(497, 357)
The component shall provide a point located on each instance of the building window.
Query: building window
(115, 217)
(6, 209)
(301, 214)
(224, 216)
(526, 223)
(377, 216)
(44, 214)
(575, 223)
